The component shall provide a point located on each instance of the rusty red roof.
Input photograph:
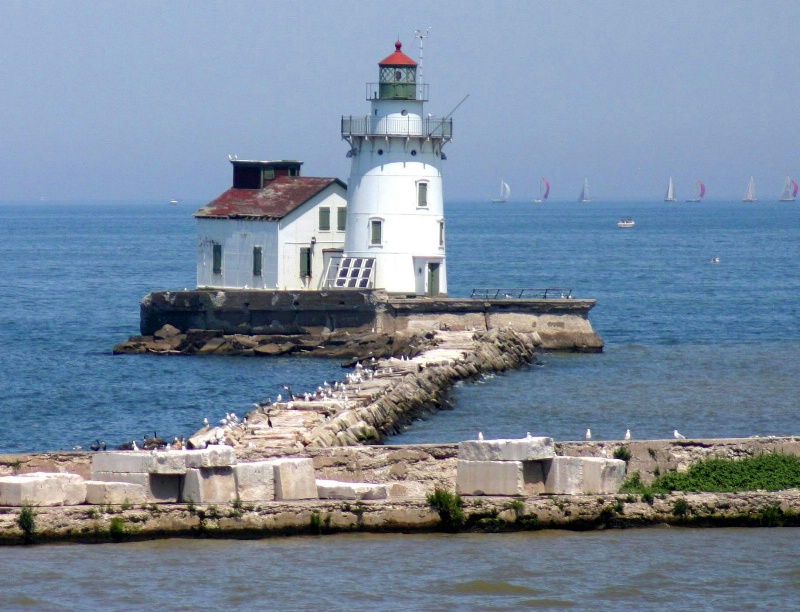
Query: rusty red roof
(276, 200)
(398, 58)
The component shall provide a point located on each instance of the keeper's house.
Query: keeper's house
(274, 229)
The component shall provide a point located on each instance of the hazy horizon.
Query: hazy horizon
(139, 101)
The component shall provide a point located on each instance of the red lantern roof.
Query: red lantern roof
(398, 58)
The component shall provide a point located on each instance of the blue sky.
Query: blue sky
(145, 100)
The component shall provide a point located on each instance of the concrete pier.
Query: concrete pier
(558, 324)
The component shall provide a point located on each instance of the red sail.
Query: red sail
(794, 189)
(702, 190)
(547, 188)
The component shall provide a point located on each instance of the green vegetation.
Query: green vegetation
(315, 524)
(622, 452)
(450, 507)
(117, 529)
(27, 522)
(680, 507)
(770, 472)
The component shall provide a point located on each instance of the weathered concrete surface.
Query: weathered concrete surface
(504, 478)
(517, 449)
(181, 321)
(582, 475)
(92, 524)
(98, 492)
(160, 462)
(208, 485)
(294, 479)
(160, 488)
(334, 489)
(255, 481)
(42, 489)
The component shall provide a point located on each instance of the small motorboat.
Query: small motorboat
(625, 222)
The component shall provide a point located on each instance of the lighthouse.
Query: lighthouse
(395, 236)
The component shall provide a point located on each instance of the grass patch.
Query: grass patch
(450, 507)
(769, 472)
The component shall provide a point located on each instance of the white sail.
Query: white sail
(787, 195)
(750, 196)
(670, 197)
(584, 197)
(505, 192)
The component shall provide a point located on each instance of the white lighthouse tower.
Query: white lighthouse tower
(395, 238)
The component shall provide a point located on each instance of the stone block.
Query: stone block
(255, 481)
(159, 488)
(216, 455)
(333, 489)
(42, 489)
(582, 475)
(490, 478)
(209, 485)
(100, 492)
(143, 462)
(294, 479)
(522, 449)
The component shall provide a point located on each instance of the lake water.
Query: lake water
(708, 348)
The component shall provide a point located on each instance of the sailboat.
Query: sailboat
(505, 191)
(584, 197)
(700, 193)
(670, 197)
(789, 193)
(750, 196)
(543, 193)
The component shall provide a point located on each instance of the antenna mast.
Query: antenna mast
(421, 82)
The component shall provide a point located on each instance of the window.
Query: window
(324, 219)
(256, 261)
(305, 262)
(422, 194)
(376, 231)
(217, 259)
(341, 219)
(441, 233)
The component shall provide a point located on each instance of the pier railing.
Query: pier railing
(527, 293)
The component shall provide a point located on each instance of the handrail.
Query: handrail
(367, 125)
(517, 293)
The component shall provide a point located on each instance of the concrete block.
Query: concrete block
(490, 478)
(294, 479)
(522, 449)
(99, 492)
(333, 489)
(216, 455)
(255, 481)
(209, 485)
(143, 462)
(42, 489)
(582, 475)
(159, 488)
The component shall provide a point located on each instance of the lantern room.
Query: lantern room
(398, 76)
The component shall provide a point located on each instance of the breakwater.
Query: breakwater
(376, 399)
(410, 473)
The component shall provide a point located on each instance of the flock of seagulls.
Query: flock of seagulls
(675, 434)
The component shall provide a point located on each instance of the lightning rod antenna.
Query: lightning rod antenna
(421, 82)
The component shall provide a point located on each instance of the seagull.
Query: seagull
(627, 434)
(205, 422)
(588, 434)
(480, 435)
(678, 435)
(529, 435)
(133, 445)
